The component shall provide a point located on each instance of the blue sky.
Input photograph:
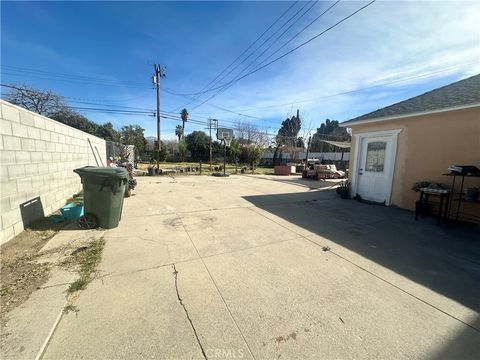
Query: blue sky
(391, 50)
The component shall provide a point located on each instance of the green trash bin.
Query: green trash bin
(103, 192)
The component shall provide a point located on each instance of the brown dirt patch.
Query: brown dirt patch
(21, 274)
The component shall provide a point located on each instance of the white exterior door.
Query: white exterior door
(375, 168)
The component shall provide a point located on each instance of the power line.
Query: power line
(142, 111)
(273, 43)
(446, 69)
(266, 40)
(301, 31)
(290, 51)
(132, 112)
(108, 105)
(250, 46)
(220, 108)
(217, 79)
(122, 111)
(68, 76)
(238, 112)
(115, 85)
(73, 81)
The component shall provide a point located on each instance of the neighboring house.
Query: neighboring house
(415, 140)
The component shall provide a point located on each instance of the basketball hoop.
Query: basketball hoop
(226, 135)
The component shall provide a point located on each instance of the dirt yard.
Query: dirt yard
(23, 267)
(21, 273)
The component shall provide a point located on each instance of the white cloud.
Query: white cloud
(419, 41)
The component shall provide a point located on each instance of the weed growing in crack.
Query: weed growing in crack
(88, 259)
(70, 308)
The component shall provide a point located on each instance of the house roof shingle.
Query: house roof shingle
(461, 93)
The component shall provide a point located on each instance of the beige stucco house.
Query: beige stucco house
(416, 140)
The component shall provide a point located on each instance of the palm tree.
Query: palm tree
(179, 132)
(184, 116)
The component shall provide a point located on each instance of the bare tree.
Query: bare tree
(248, 133)
(42, 102)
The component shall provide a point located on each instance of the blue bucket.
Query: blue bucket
(72, 211)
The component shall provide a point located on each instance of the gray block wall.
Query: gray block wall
(37, 157)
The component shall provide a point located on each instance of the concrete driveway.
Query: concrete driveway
(274, 268)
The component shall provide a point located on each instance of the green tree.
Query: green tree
(198, 145)
(253, 154)
(107, 132)
(288, 132)
(217, 148)
(134, 135)
(182, 150)
(72, 118)
(179, 132)
(329, 130)
(287, 137)
(163, 152)
(234, 152)
(184, 115)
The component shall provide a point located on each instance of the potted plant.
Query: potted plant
(426, 184)
(344, 189)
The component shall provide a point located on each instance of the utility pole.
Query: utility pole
(210, 141)
(210, 122)
(159, 74)
(308, 147)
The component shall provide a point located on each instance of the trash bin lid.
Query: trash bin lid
(114, 172)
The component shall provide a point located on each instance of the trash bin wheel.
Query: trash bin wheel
(87, 221)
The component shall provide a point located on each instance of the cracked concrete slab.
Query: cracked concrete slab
(146, 242)
(285, 270)
(216, 330)
(30, 323)
(444, 303)
(213, 231)
(293, 300)
(72, 239)
(131, 316)
(124, 254)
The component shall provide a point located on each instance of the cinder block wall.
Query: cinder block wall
(37, 156)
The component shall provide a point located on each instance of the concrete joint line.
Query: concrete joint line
(175, 274)
(116, 274)
(249, 248)
(216, 288)
(190, 212)
(45, 344)
(375, 275)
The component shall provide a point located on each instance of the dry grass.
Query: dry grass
(230, 169)
(88, 259)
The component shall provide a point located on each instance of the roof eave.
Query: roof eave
(349, 123)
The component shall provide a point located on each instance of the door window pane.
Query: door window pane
(375, 156)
